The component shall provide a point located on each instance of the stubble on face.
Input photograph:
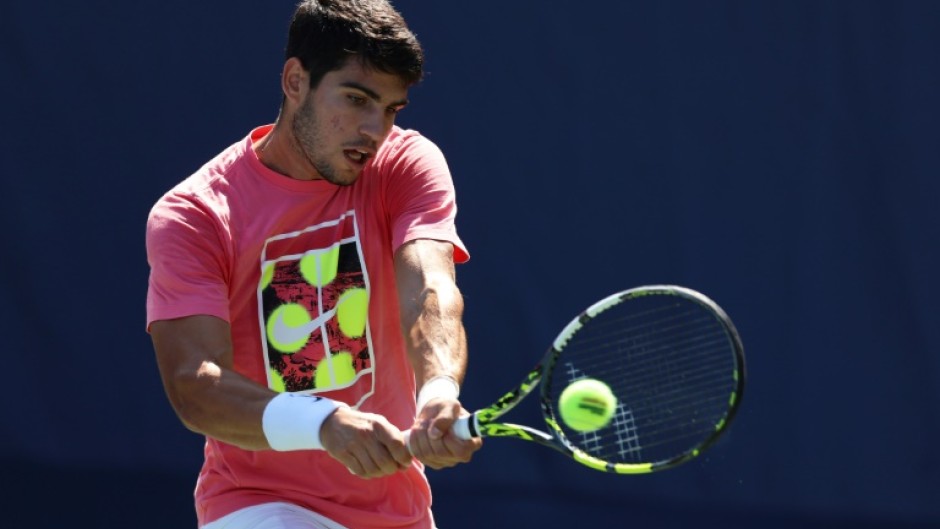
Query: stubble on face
(308, 140)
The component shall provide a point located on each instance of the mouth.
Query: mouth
(358, 157)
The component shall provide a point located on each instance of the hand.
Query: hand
(366, 443)
(433, 442)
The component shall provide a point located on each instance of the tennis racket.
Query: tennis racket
(674, 362)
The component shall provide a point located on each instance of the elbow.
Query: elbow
(188, 416)
(188, 394)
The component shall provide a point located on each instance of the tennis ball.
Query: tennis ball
(587, 405)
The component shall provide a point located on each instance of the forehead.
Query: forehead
(357, 74)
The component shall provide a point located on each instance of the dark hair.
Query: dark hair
(324, 34)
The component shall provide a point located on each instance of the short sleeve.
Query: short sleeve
(186, 257)
(421, 198)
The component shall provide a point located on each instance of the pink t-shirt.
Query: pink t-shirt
(303, 271)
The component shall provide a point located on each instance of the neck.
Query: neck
(276, 152)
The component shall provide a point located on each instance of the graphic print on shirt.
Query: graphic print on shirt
(313, 301)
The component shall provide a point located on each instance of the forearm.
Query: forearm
(194, 356)
(431, 309)
(225, 406)
(435, 336)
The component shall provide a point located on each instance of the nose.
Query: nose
(375, 126)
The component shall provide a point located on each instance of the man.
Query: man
(302, 287)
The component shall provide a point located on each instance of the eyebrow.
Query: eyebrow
(372, 93)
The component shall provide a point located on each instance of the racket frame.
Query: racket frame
(482, 423)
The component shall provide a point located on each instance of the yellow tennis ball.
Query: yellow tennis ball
(587, 405)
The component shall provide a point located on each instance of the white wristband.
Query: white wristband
(444, 386)
(292, 422)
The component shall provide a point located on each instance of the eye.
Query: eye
(356, 99)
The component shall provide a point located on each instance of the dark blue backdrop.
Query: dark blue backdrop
(782, 157)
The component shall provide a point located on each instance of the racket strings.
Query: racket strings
(710, 362)
(655, 429)
(670, 333)
(711, 357)
(671, 366)
(654, 432)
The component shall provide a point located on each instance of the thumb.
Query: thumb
(439, 426)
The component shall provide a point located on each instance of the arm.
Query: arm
(431, 309)
(194, 355)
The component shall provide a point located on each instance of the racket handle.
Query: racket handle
(407, 438)
(461, 427)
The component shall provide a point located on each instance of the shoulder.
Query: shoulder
(408, 155)
(203, 192)
(407, 144)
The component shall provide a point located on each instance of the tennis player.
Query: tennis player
(302, 288)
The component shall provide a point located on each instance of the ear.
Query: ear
(295, 81)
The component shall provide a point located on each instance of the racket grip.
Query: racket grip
(407, 438)
(461, 427)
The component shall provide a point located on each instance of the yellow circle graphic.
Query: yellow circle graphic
(335, 371)
(352, 310)
(286, 328)
(267, 275)
(277, 381)
(318, 267)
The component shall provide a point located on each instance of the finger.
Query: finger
(366, 466)
(408, 456)
(461, 450)
(440, 426)
(352, 464)
(432, 452)
(386, 462)
(394, 444)
(419, 444)
(451, 451)
(384, 448)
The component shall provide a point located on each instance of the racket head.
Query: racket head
(675, 363)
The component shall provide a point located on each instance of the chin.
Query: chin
(338, 177)
(342, 180)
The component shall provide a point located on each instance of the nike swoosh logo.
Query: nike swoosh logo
(286, 334)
